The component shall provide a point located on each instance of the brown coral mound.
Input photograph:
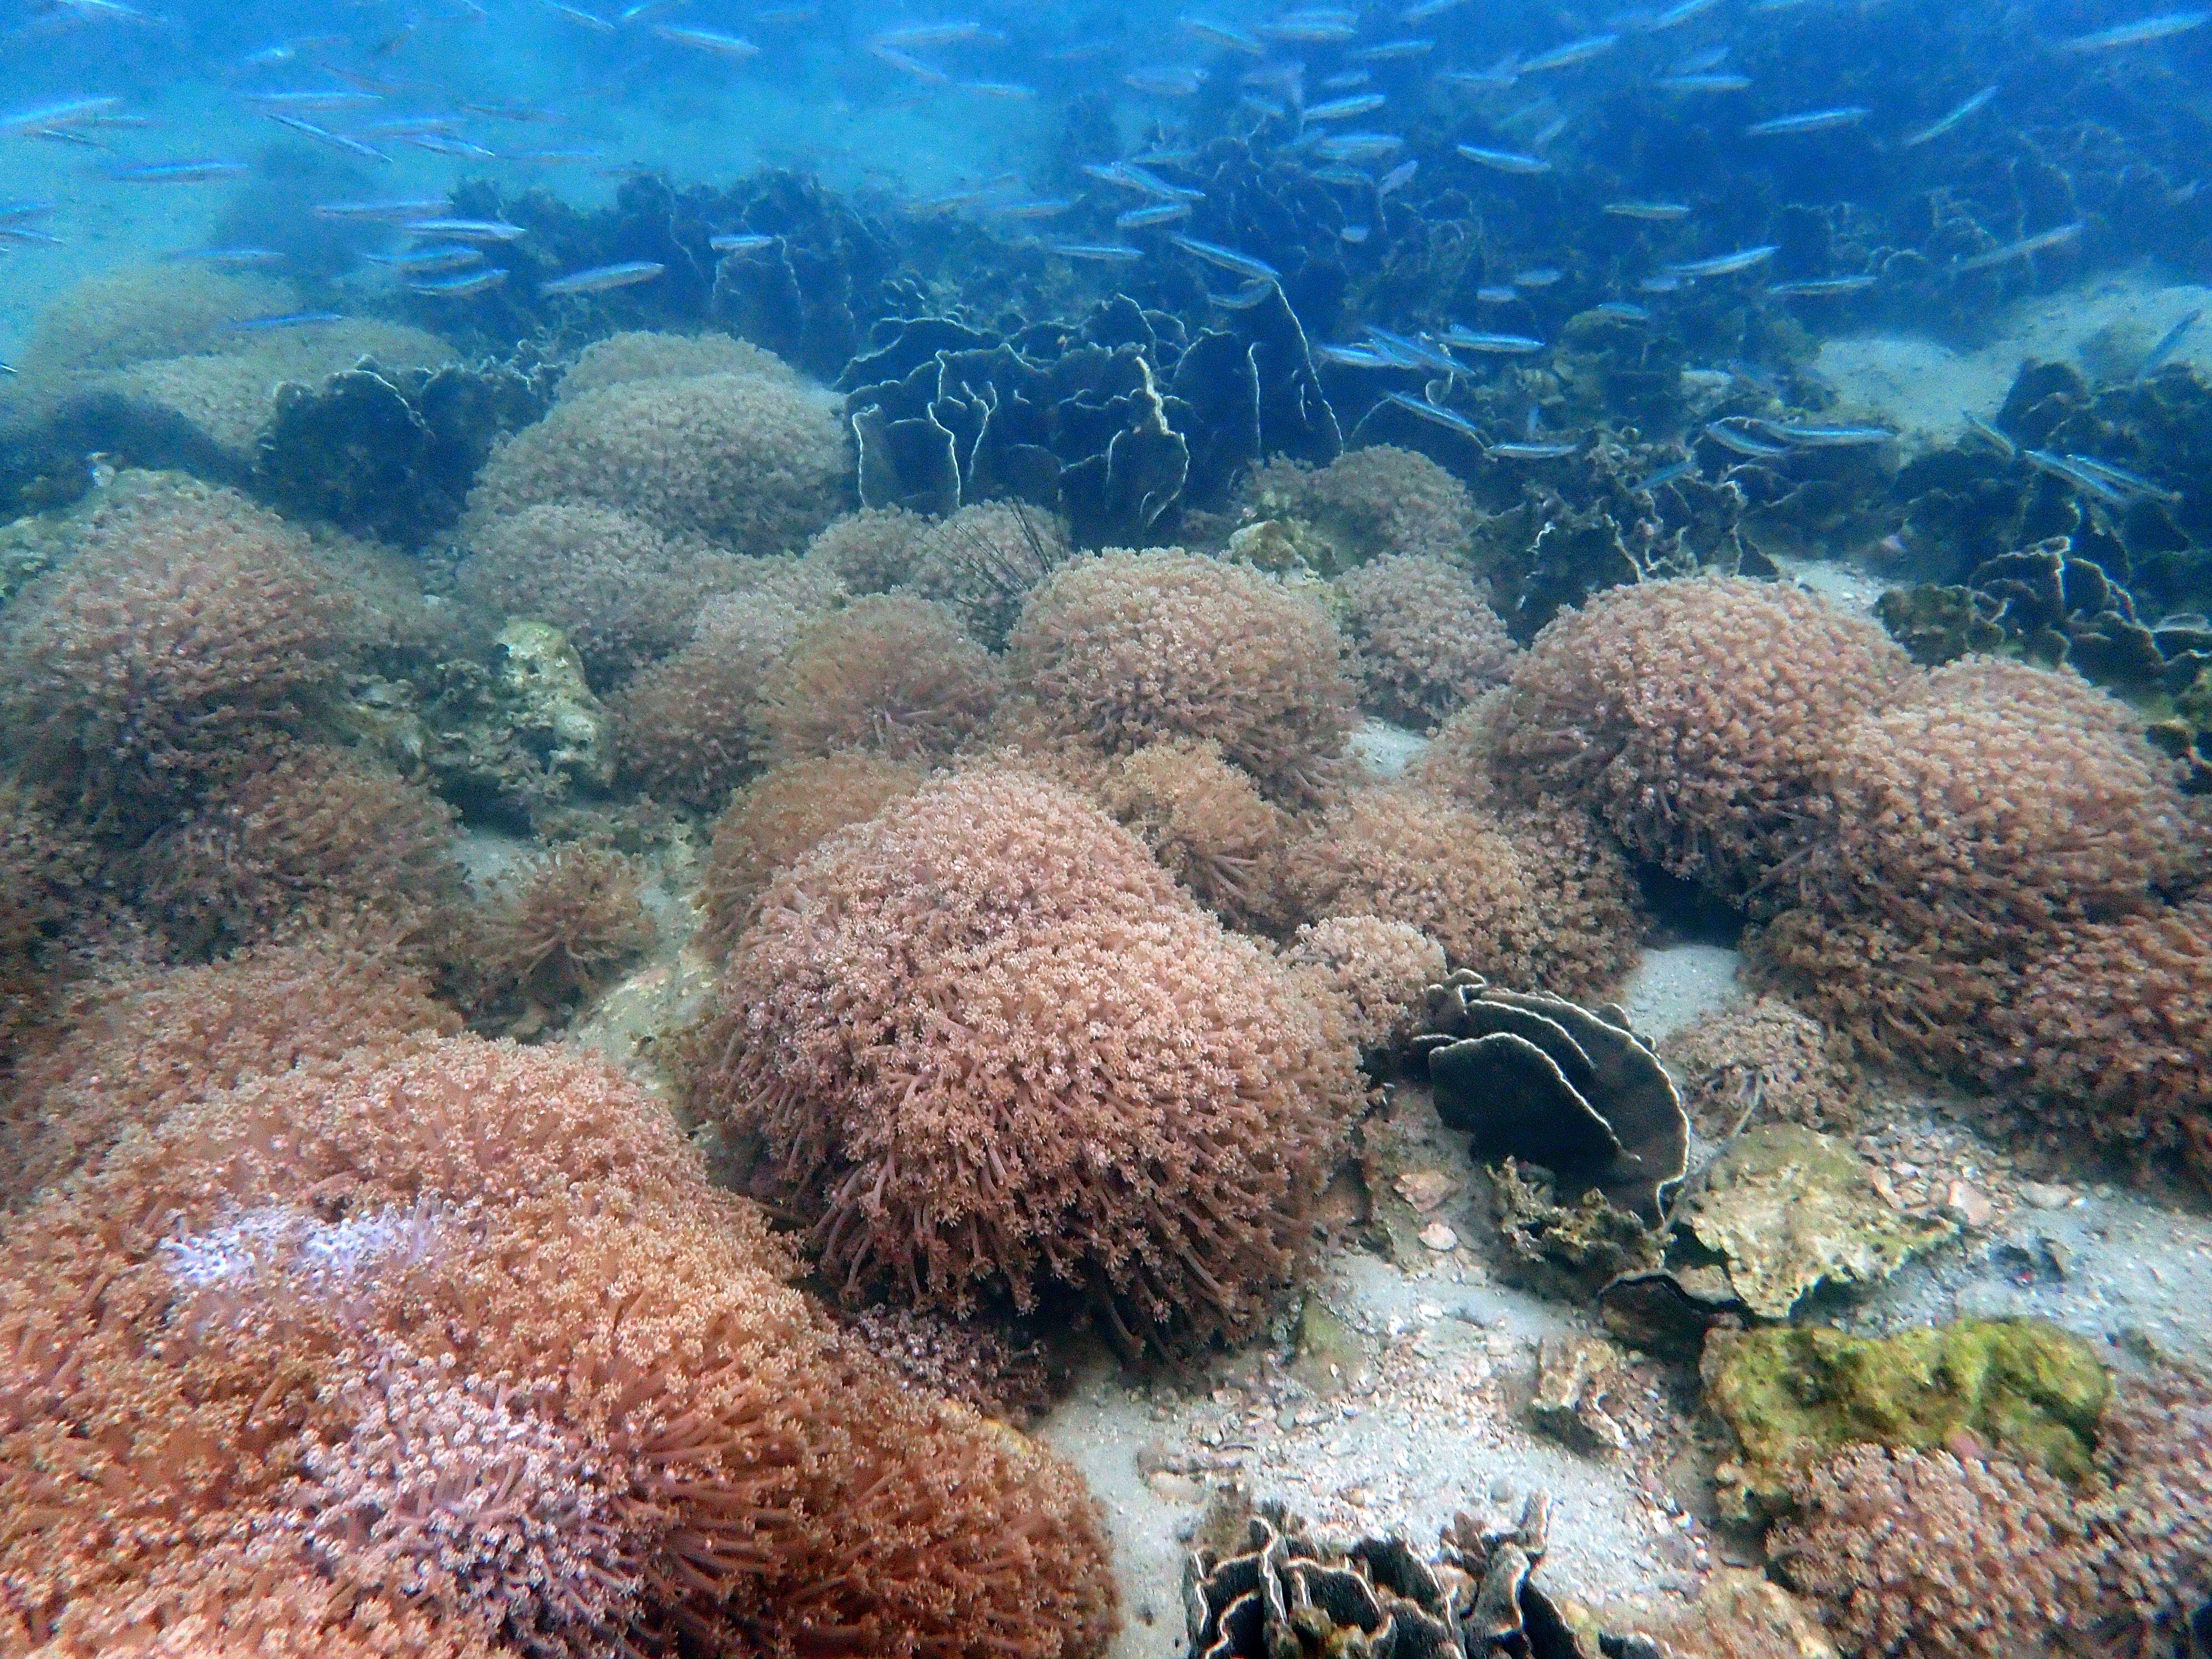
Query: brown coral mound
(2000, 802)
(1457, 764)
(622, 592)
(189, 626)
(890, 672)
(137, 1050)
(1765, 1056)
(1377, 971)
(871, 551)
(536, 1386)
(786, 812)
(1369, 503)
(129, 316)
(683, 727)
(2117, 1018)
(2155, 1530)
(988, 1048)
(1423, 640)
(317, 840)
(639, 355)
(1928, 1554)
(983, 561)
(1694, 716)
(43, 870)
(1208, 825)
(963, 1360)
(754, 461)
(1127, 648)
(566, 927)
(1543, 901)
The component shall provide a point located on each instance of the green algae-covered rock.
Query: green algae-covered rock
(1795, 1393)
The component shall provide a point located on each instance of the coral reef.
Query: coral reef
(1540, 1081)
(624, 593)
(562, 930)
(639, 355)
(983, 561)
(753, 461)
(131, 316)
(43, 873)
(1793, 1395)
(1952, 1555)
(1130, 648)
(2154, 1531)
(1694, 716)
(1132, 1107)
(683, 725)
(138, 1049)
(189, 626)
(1423, 640)
(1367, 504)
(315, 839)
(786, 812)
(890, 672)
(1377, 971)
(1555, 908)
(1207, 824)
(967, 1361)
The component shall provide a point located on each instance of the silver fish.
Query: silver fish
(1435, 412)
(47, 116)
(1504, 161)
(1504, 345)
(1343, 109)
(1228, 258)
(1220, 34)
(1813, 286)
(2040, 242)
(179, 173)
(2167, 341)
(1415, 354)
(739, 242)
(465, 230)
(1097, 252)
(460, 286)
(2132, 483)
(394, 212)
(1392, 51)
(290, 320)
(1575, 51)
(1827, 437)
(2161, 28)
(709, 40)
(1621, 311)
(1991, 436)
(1935, 129)
(1742, 443)
(428, 261)
(1354, 356)
(2064, 467)
(601, 279)
(1662, 477)
(1160, 213)
(1812, 120)
(1656, 213)
(1723, 264)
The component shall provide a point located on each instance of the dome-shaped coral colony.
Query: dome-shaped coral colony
(1050, 910)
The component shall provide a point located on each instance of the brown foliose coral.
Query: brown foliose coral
(1126, 648)
(189, 626)
(1423, 640)
(891, 672)
(1546, 901)
(412, 1388)
(1129, 1107)
(1207, 824)
(1694, 716)
(1368, 504)
(754, 461)
(786, 812)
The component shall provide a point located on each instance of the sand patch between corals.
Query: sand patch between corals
(1925, 389)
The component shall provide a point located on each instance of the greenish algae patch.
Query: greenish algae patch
(1795, 1394)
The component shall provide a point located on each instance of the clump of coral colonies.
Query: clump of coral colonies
(1768, 1056)
(1375, 971)
(1127, 648)
(620, 359)
(754, 461)
(1694, 716)
(1424, 642)
(564, 927)
(1207, 824)
(1369, 504)
(1540, 899)
(992, 1052)
(683, 727)
(786, 812)
(188, 627)
(872, 551)
(891, 672)
(129, 316)
(1966, 1554)
(329, 1363)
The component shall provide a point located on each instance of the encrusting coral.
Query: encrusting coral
(890, 672)
(463, 1353)
(1423, 640)
(1207, 824)
(622, 592)
(786, 812)
(1693, 717)
(754, 461)
(1126, 648)
(1368, 504)
(190, 625)
(1542, 903)
(990, 1051)
(138, 1049)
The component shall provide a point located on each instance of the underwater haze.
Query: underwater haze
(1183, 829)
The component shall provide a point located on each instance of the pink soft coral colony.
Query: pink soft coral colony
(557, 1096)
